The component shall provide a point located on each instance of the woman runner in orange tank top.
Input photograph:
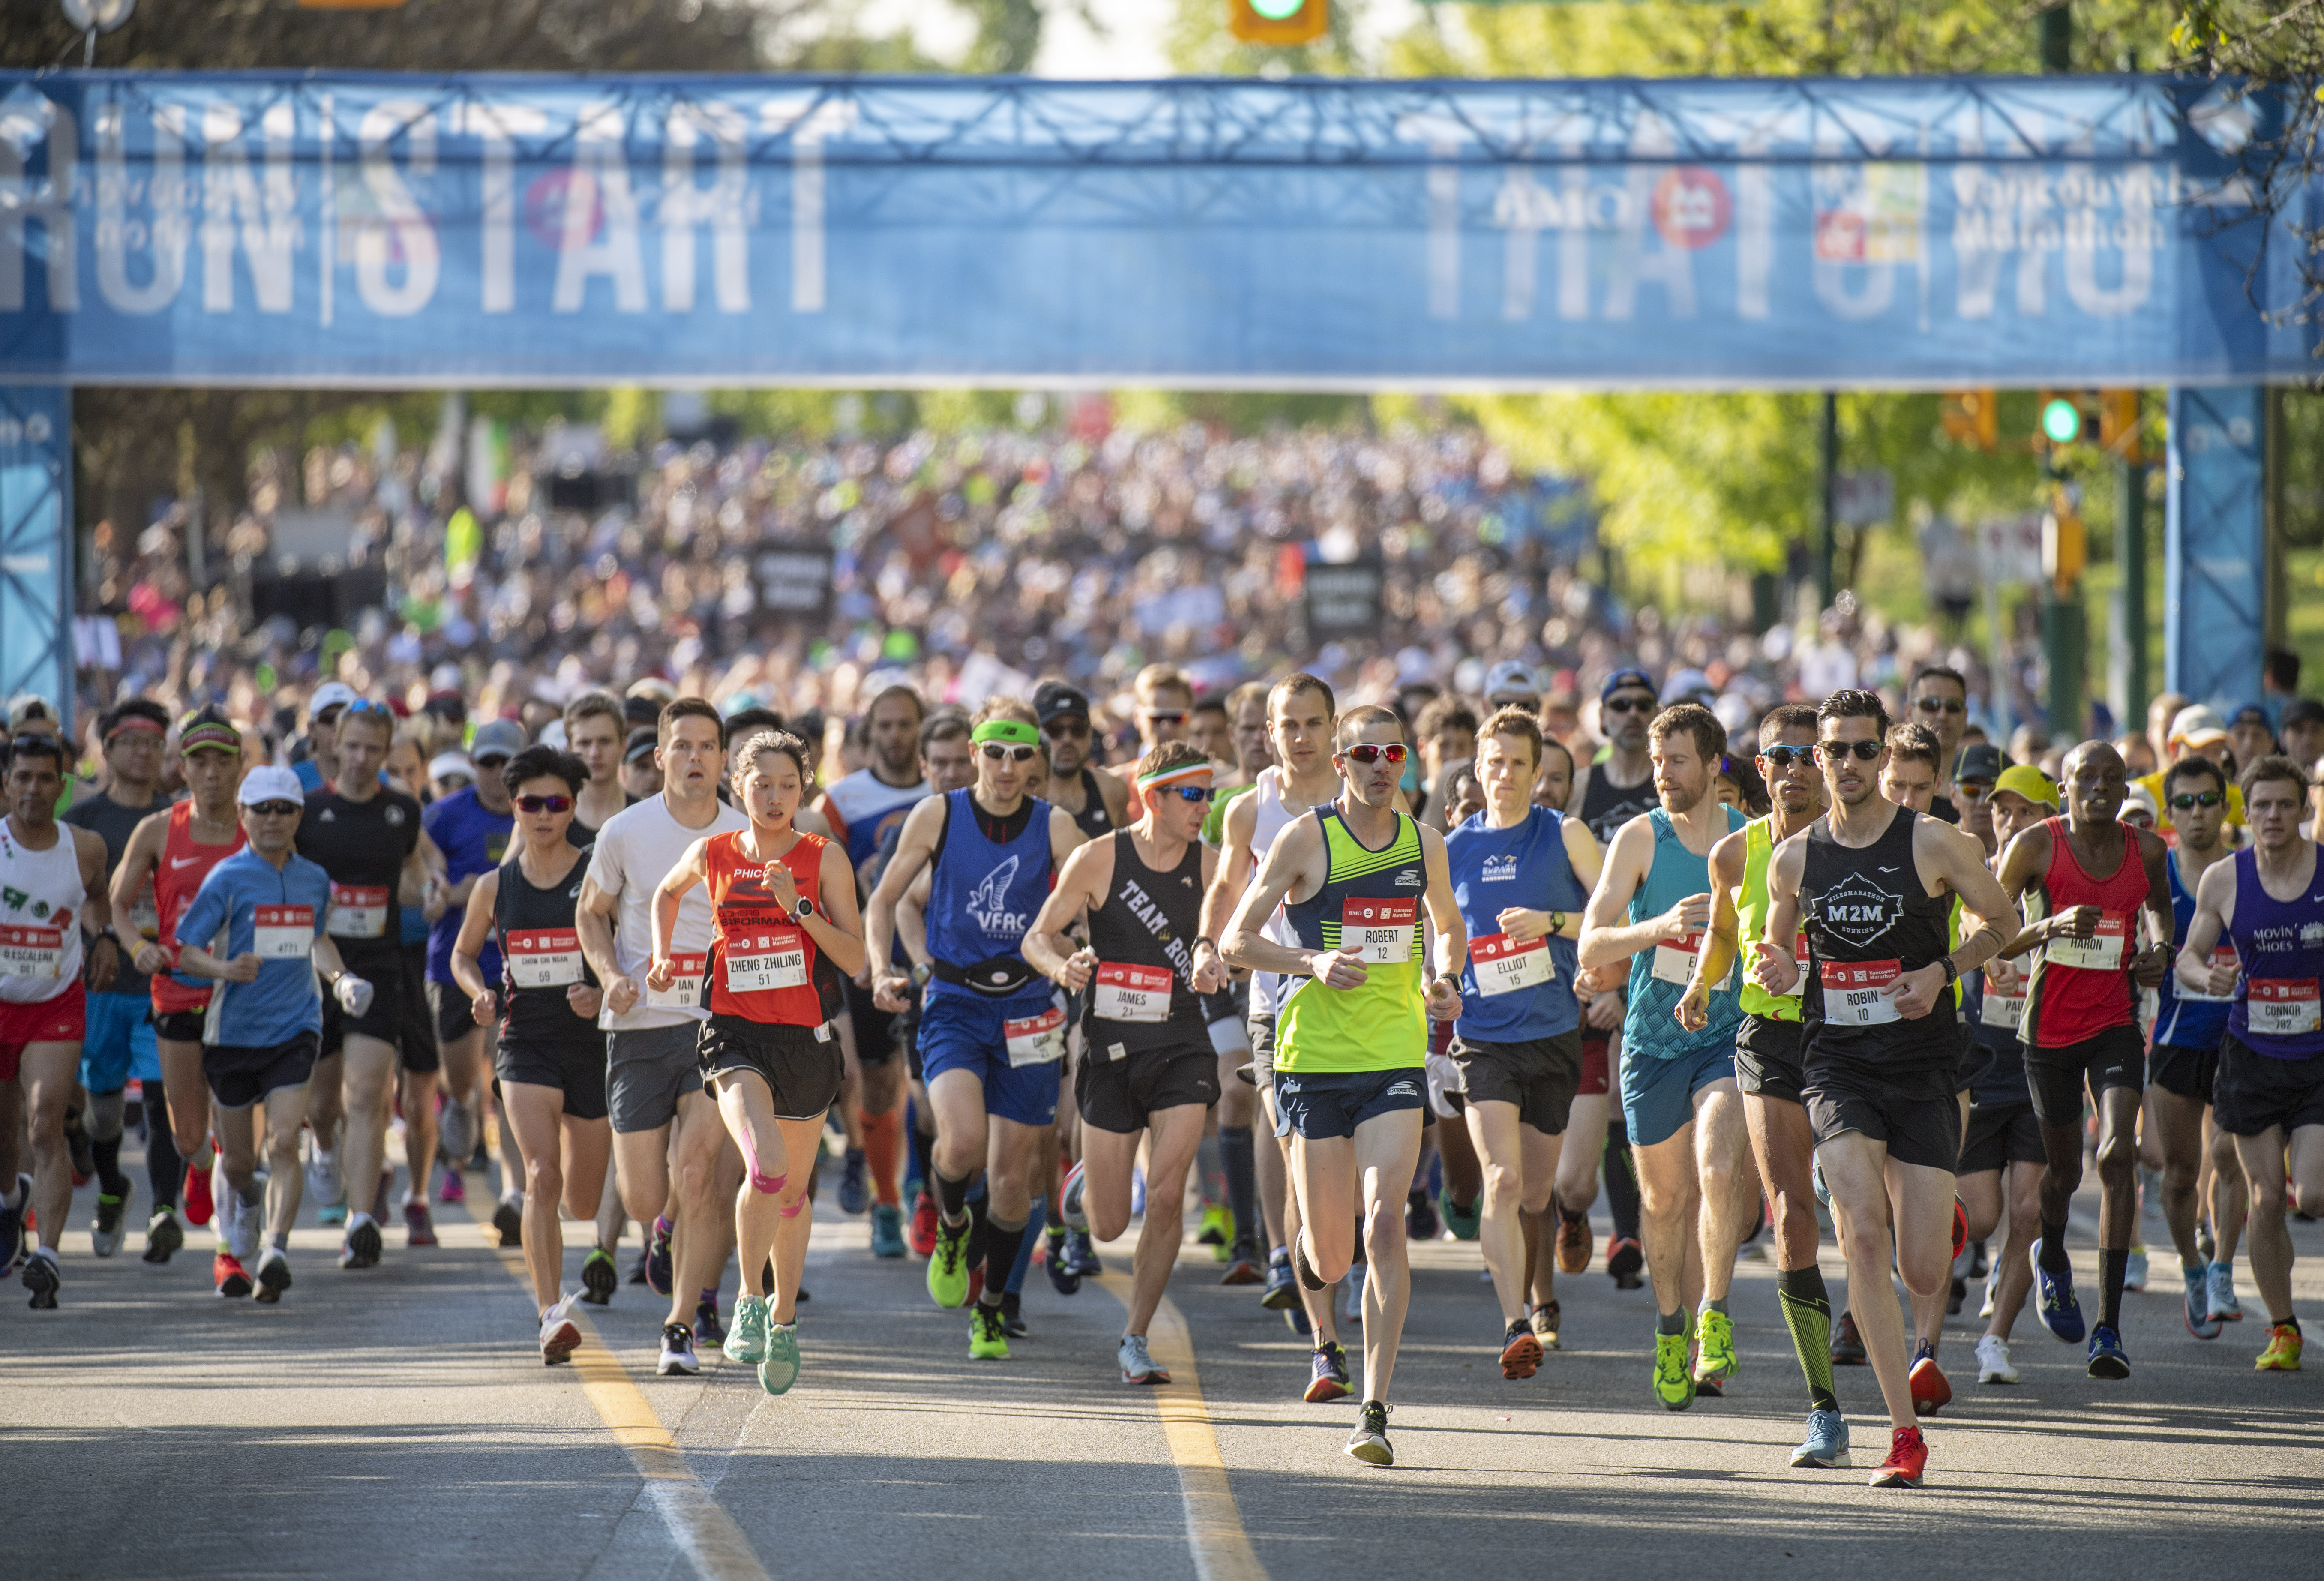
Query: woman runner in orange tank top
(784, 932)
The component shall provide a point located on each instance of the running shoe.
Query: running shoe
(2133, 1271)
(361, 1246)
(1931, 1393)
(1327, 1378)
(1715, 1359)
(1993, 1359)
(854, 1185)
(1825, 1448)
(197, 1193)
(325, 1184)
(708, 1329)
(947, 1268)
(1217, 1228)
(560, 1337)
(677, 1357)
(988, 1340)
(746, 1341)
(1138, 1363)
(1462, 1221)
(1305, 1270)
(2207, 1247)
(661, 1275)
(332, 1214)
(925, 1218)
(1421, 1221)
(1282, 1292)
(1057, 1264)
(454, 1138)
(2282, 1351)
(418, 1223)
(1954, 1298)
(1992, 1291)
(1960, 1229)
(247, 1218)
(2196, 1308)
(1846, 1345)
(2221, 1277)
(1624, 1258)
(1370, 1443)
(887, 1230)
(273, 1275)
(1294, 1318)
(83, 1152)
(1674, 1385)
(1242, 1269)
(163, 1236)
(638, 1269)
(1351, 1293)
(1081, 1256)
(2062, 1314)
(455, 1188)
(226, 1273)
(1574, 1242)
(111, 1216)
(41, 1278)
(379, 1198)
(778, 1369)
(1907, 1461)
(1520, 1351)
(1544, 1321)
(2107, 1358)
(508, 1219)
(1012, 1316)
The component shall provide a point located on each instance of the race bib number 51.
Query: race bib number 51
(756, 962)
(1852, 995)
(1035, 1040)
(2283, 1007)
(1380, 928)
(1504, 965)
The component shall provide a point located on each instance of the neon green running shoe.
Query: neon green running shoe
(988, 1335)
(778, 1369)
(1674, 1385)
(1715, 1360)
(746, 1337)
(1217, 1231)
(948, 1266)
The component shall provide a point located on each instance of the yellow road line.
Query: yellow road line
(1214, 1529)
(712, 1544)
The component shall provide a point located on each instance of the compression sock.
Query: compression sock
(1621, 1186)
(924, 1167)
(1025, 1239)
(2053, 1248)
(104, 1121)
(1213, 1172)
(1670, 1322)
(1235, 1151)
(951, 1196)
(883, 1150)
(1001, 1245)
(110, 1180)
(2113, 1268)
(1807, 1313)
(165, 1172)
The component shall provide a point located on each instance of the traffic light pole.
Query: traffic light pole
(1828, 550)
(2130, 562)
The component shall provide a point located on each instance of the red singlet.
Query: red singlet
(184, 862)
(2080, 987)
(761, 961)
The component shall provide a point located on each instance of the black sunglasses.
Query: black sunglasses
(2187, 799)
(1833, 751)
(275, 809)
(1629, 705)
(544, 804)
(1783, 757)
(1941, 705)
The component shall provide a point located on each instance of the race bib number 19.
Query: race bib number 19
(1504, 965)
(1852, 995)
(2283, 1007)
(684, 990)
(1380, 928)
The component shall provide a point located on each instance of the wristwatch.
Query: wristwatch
(1557, 921)
(1952, 972)
(806, 909)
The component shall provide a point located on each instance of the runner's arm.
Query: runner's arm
(1720, 945)
(2022, 866)
(1295, 857)
(139, 860)
(912, 922)
(836, 927)
(1606, 939)
(2215, 902)
(593, 921)
(468, 948)
(1232, 875)
(1451, 932)
(692, 869)
(95, 910)
(1774, 967)
(1587, 856)
(915, 848)
(1065, 837)
(1048, 950)
(2162, 920)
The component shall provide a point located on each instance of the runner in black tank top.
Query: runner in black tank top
(543, 1039)
(1148, 1065)
(1607, 807)
(1092, 818)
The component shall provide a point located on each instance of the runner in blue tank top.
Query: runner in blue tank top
(1651, 909)
(2268, 903)
(1521, 875)
(993, 1032)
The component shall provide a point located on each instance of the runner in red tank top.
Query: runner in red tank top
(2082, 880)
(175, 849)
(785, 933)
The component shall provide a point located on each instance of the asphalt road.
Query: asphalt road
(398, 1423)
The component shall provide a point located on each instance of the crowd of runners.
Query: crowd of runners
(1327, 975)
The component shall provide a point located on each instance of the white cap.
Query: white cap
(451, 762)
(270, 782)
(331, 694)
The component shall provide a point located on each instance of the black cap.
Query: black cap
(641, 744)
(2303, 711)
(1982, 761)
(1625, 678)
(1053, 700)
(2250, 714)
(640, 711)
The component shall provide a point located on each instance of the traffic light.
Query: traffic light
(1278, 22)
(2065, 542)
(2119, 423)
(1972, 416)
(2062, 417)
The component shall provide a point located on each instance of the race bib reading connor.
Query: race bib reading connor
(32, 952)
(1125, 993)
(2104, 951)
(542, 957)
(2283, 1007)
(283, 933)
(1504, 965)
(684, 990)
(358, 910)
(1035, 1040)
(1852, 995)
(775, 958)
(1380, 930)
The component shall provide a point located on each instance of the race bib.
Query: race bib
(1035, 1040)
(2224, 955)
(32, 952)
(358, 910)
(1802, 962)
(757, 962)
(1852, 995)
(684, 990)
(283, 933)
(1125, 993)
(2283, 1007)
(1674, 960)
(542, 957)
(1380, 929)
(2103, 951)
(2006, 1011)
(1504, 965)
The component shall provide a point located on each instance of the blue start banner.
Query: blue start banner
(383, 231)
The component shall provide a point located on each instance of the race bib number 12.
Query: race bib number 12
(1380, 928)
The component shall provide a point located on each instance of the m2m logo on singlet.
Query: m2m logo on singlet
(988, 903)
(1857, 910)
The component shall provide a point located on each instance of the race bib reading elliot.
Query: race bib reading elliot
(1504, 965)
(1035, 1040)
(358, 910)
(542, 957)
(1381, 929)
(1852, 995)
(1126, 993)
(283, 933)
(2283, 1007)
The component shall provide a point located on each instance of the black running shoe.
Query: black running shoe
(273, 1275)
(1057, 1264)
(508, 1219)
(1846, 1345)
(638, 1269)
(363, 1245)
(84, 1155)
(1013, 1318)
(599, 1278)
(708, 1329)
(40, 1279)
(163, 1236)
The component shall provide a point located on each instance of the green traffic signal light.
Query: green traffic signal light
(1277, 9)
(2062, 421)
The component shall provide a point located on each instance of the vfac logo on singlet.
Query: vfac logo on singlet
(1857, 910)
(988, 901)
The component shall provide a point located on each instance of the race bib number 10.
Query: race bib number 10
(1852, 995)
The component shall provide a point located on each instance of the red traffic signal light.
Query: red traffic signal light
(1278, 22)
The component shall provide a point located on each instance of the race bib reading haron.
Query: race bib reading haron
(2283, 1007)
(1505, 965)
(358, 910)
(283, 933)
(32, 952)
(542, 957)
(1852, 995)
(1381, 929)
(762, 960)
(1035, 1040)
(2104, 951)
(1125, 993)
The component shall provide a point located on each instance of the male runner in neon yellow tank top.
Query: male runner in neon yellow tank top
(1351, 1035)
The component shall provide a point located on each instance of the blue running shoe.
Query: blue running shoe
(2062, 1314)
(1282, 1292)
(2108, 1359)
(1081, 1256)
(855, 1188)
(1826, 1445)
(887, 1231)
(2200, 1323)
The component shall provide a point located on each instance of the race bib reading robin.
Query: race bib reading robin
(542, 957)
(2104, 951)
(358, 910)
(283, 933)
(1852, 995)
(1126, 993)
(684, 990)
(32, 952)
(2225, 955)
(1380, 930)
(1035, 1040)
(1504, 965)
(2283, 1007)
(761, 960)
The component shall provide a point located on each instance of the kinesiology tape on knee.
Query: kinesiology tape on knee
(765, 1184)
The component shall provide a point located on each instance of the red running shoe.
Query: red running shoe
(226, 1272)
(924, 1225)
(1908, 1460)
(199, 1206)
(1931, 1393)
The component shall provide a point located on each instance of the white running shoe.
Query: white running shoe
(560, 1336)
(324, 1183)
(454, 1137)
(1138, 1363)
(2223, 1305)
(1992, 1284)
(248, 1219)
(1993, 1360)
(1069, 1199)
(1351, 1294)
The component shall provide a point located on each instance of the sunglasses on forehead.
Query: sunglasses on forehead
(1368, 753)
(1833, 751)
